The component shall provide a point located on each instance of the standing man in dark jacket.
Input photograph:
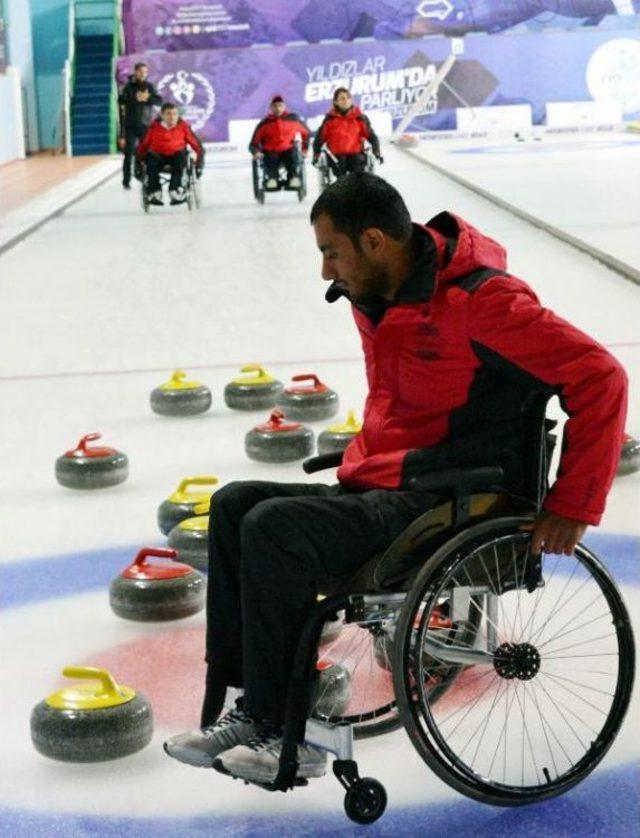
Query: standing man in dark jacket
(136, 100)
(456, 351)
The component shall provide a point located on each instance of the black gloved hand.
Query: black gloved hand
(380, 158)
(199, 170)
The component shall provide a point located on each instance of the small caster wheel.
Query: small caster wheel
(365, 801)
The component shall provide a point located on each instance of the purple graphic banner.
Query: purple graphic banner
(213, 87)
(206, 24)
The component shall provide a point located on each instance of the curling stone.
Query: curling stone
(252, 392)
(153, 592)
(308, 404)
(331, 630)
(181, 503)
(91, 722)
(337, 437)
(334, 689)
(190, 538)
(91, 468)
(278, 441)
(629, 456)
(180, 397)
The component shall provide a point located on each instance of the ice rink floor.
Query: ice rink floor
(100, 304)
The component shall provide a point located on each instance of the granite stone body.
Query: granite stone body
(92, 735)
(629, 457)
(310, 403)
(334, 691)
(278, 441)
(155, 600)
(87, 467)
(191, 544)
(181, 402)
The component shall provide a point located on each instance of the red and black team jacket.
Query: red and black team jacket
(346, 133)
(278, 133)
(168, 141)
(453, 364)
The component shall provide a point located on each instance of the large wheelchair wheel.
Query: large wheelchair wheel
(547, 678)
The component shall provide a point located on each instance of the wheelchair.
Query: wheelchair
(325, 172)
(259, 177)
(510, 671)
(190, 183)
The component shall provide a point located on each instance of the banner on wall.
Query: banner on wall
(213, 87)
(206, 24)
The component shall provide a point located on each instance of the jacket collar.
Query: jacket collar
(418, 287)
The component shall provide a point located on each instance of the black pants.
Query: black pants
(274, 159)
(156, 162)
(271, 546)
(132, 137)
(345, 163)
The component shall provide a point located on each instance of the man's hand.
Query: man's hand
(380, 158)
(258, 155)
(122, 143)
(142, 95)
(554, 534)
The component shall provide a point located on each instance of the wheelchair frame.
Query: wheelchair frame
(476, 512)
(189, 184)
(325, 172)
(259, 177)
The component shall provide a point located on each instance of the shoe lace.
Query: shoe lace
(232, 717)
(266, 738)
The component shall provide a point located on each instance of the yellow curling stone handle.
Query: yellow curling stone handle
(200, 523)
(101, 693)
(261, 376)
(182, 495)
(351, 426)
(178, 381)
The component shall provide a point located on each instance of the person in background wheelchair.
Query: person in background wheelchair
(343, 135)
(456, 349)
(166, 143)
(274, 142)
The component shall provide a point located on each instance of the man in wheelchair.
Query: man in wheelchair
(456, 349)
(274, 142)
(165, 145)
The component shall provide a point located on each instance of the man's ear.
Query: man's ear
(373, 242)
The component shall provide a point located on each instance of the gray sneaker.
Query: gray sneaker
(201, 747)
(259, 759)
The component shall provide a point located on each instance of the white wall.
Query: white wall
(20, 52)
(12, 134)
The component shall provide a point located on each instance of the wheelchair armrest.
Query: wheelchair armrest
(458, 481)
(314, 464)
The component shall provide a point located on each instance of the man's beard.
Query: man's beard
(376, 284)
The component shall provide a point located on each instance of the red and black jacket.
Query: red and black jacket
(453, 364)
(346, 133)
(169, 141)
(278, 133)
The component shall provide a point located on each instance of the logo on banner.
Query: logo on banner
(193, 93)
(613, 74)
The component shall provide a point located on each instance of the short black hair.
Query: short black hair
(340, 90)
(361, 200)
(168, 106)
(139, 64)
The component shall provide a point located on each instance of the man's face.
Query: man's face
(361, 273)
(171, 116)
(277, 108)
(141, 73)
